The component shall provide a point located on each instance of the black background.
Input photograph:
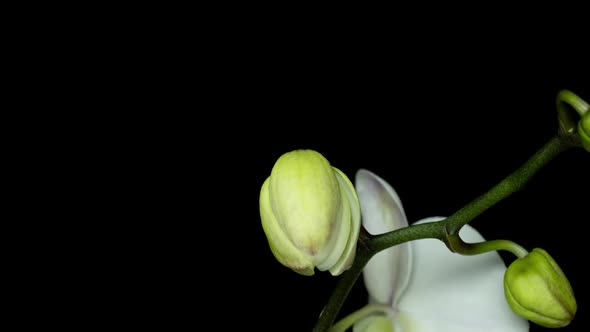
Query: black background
(179, 115)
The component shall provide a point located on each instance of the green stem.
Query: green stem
(509, 185)
(443, 230)
(433, 230)
(343, 287)
(457, 245)
(346, 322)
(567, 121)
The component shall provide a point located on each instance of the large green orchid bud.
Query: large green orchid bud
(310, 214)
(537, 289)
(584, 131)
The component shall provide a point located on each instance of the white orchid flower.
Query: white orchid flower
(425, 286)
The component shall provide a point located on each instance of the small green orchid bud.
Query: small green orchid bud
(584, 131)
(537, 289)
(310, 214)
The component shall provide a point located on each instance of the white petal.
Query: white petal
(453, 292)
(387, 273)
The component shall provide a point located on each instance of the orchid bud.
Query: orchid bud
(537, 289)
(584, 131)
(310, 214)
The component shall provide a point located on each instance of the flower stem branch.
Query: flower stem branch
(365, 311)
(567, 121)
(457, 245)
(509, 185)
(343, 287)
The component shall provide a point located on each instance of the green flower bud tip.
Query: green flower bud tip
(310, 214)
(584, 131)
(537, 289)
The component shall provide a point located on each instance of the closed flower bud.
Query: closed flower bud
(537, 289)
(310, 214)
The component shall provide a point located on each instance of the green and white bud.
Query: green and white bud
(310, 214)
(537, 289)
